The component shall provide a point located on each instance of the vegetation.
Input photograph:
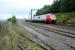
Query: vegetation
(67, 5)
(29, 45)
(12, 19)
(44, 10)
(57, 7)
(66, 18)
(8, 36)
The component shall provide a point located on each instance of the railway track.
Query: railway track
(54, 46)
(33, 39)
(39, 42)
(72, 35)
(21, 46)
(56, 31)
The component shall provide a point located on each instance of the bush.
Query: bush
(12, 19)
(66, 18)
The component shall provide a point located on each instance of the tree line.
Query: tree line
(58, 6)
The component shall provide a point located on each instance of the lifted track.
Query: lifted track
(40, 42)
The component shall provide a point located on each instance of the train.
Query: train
(46, 18)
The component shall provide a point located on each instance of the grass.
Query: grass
(29, 45)
(66, 18)
(8, 36)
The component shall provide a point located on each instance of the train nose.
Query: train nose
(48, 19)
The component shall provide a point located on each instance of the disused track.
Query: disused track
(56, 31)
(21, 46)
(24, 48)
(46, 47)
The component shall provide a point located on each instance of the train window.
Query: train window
(39, 17)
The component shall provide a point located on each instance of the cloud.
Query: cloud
(29, 3)
(21, 7)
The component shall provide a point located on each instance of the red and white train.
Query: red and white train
(47, 18)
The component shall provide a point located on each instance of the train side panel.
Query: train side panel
(39, 18)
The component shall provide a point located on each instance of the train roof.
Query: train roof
(45, 14)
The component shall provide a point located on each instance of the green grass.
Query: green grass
(30, 45)
(66, 18)
(9, 34)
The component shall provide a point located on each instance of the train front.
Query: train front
(50, 18)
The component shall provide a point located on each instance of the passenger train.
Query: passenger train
(47, 18)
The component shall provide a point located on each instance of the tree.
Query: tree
(71, 5)
(44, 10)
(58, 6)
(55, 7)
(12, 19)
(67, 5)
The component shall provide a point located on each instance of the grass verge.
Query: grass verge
(66, 19)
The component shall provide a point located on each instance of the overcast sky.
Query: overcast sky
(20, 8)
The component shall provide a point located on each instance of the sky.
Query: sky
(20, 8)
